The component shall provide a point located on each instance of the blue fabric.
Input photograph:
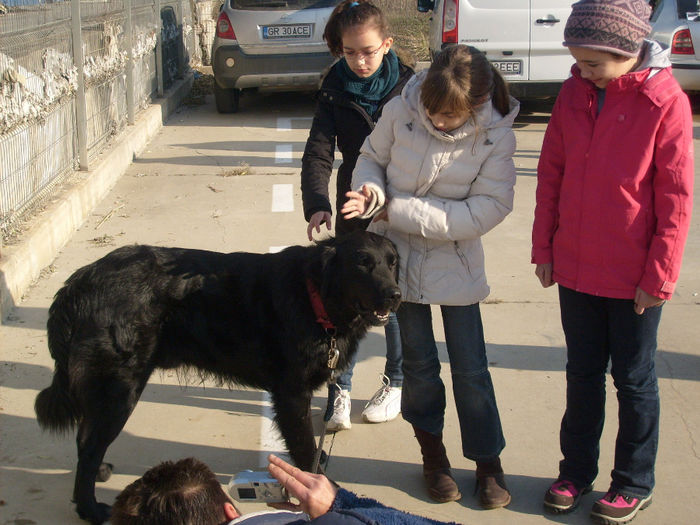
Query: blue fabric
(423, 397)
(394, 359)
(368, 92)
(599, 330)
(351, 509)
(393, 368)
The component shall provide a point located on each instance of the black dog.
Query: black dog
(263, 320)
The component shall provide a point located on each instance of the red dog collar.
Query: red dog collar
(317, 305)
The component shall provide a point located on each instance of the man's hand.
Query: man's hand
(643, 300)
(314, 491)
(315, 222)
(544, 274)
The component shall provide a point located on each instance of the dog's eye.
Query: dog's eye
(366, 260)
(391, 261)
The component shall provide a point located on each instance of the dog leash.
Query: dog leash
(333, 355)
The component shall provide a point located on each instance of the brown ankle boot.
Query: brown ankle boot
(491, 484)
(436, 467)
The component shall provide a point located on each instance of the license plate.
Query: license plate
(509, 67)
(287, 31)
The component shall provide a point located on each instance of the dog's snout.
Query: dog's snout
(393, 298)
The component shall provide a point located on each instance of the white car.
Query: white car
(271, 44)
(676, 23)
(523, 38)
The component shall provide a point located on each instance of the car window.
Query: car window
(272, 5)
(686, 6)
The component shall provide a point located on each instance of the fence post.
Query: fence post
(159, 49)
(80, 104)
(130, 111)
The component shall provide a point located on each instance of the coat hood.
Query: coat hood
(485, 118)
(654, 59)
(654, 55)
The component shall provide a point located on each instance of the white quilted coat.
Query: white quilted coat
(444, 191)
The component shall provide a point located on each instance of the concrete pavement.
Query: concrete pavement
(210, 181)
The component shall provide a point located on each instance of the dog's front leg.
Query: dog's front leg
(293, 417)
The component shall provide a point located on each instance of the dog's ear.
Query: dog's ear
(327, 263)
(320, 266)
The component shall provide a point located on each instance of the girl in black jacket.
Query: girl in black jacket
(353, 93)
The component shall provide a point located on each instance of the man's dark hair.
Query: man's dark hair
(182, 493)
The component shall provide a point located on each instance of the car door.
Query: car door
(549, 59)
(500, 28)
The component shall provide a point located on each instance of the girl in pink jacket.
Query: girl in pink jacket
(614, 197)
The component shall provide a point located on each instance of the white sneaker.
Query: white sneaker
(385, 404)
(340, 420)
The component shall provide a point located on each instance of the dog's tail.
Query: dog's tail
(55, 410)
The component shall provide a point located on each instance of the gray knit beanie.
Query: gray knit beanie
(615, 26)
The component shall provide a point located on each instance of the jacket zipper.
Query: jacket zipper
(462, 257)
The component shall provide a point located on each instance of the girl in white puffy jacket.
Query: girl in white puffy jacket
(435, 175)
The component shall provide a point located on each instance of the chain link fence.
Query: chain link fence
(73, 73)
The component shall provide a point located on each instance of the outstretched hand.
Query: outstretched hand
(318, 218)
(356, 204)
(315, 492)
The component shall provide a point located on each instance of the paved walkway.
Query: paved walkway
(227, 183)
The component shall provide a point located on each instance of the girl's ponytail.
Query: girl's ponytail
(352, 13)
(501, 95)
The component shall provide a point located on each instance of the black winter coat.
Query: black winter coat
(337, 118)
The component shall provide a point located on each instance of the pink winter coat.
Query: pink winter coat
(614, 192)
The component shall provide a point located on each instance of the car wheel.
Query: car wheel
(226, 99)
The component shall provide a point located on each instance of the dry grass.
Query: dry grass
(408, 26)
(238, 171)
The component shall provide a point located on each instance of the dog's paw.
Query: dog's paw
(105, 472)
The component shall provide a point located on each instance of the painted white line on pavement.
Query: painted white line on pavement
(283, 154)
(270, 438)
(271, 441)
(282, 198)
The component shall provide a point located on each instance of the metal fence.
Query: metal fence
(73, 73)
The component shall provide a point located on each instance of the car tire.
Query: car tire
(227, 100)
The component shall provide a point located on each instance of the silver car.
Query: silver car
(269, 44)
(676, 23)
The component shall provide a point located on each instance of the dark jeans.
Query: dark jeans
(599, 330)
(423, 398)
(394, 359)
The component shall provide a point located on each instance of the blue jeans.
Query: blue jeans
(423, 398)
(599, 330)
(394, 359)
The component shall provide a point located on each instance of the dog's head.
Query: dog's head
(360, 278)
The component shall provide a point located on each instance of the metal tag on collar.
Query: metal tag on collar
(333, 354)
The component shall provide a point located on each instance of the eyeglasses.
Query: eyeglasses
(362, 55)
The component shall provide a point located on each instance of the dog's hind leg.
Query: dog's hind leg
(96, 431)
(293, 417)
